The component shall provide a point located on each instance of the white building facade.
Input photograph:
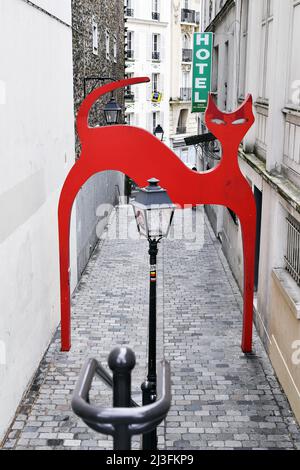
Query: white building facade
(159, 45)
(148, 43)
(256, 50)
(185, 19)
(37, 152)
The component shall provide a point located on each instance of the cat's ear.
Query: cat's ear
(212, 109)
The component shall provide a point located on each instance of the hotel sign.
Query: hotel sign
(202, 65)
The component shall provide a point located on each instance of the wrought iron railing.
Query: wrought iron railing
(130, 54)
(129, 12)
(185, 94)
(155, 15)
(187, 55)
(188, 16)
(292, 258)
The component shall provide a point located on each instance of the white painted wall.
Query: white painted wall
(143, 27)
(37, 151)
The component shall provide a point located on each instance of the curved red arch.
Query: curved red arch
(140, 155)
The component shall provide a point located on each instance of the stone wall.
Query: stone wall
(103, 188)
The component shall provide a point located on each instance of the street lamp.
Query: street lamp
(154, 213)
(112, 112)
(159, 132)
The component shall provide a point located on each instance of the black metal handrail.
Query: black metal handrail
(120, 422)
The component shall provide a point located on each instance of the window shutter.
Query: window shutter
(149, 91)
(162, 46)
(136, 45)
(149, 46)
(149, 122)
(161, 83)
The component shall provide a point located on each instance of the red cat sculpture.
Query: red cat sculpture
(141, 156)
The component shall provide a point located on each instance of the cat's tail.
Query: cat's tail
(85, 107)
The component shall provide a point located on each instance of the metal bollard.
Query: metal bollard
(121, 361)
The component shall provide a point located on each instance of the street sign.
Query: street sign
(202, 65)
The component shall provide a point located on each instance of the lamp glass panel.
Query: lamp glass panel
(141, 221)
(159, 221)
(111, 117)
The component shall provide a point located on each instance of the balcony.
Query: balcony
(181, 130)
(188, 16)
(130, 54)
(129, 12)
(185, 94)
(155, 55)
(155, 16)
(187, 55)
(129, 96)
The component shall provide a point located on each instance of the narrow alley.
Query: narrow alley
(221, 399)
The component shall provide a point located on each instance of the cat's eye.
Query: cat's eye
(218, 121)
(240, 121)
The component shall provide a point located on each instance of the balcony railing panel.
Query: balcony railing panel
(155, 55)
(129, 96)
(261, 134)
(291, 152)
(188, 16)
(292, 258)
(129, 12)
(155, 15)
(185, 94)
(130, 54)
(187, 55)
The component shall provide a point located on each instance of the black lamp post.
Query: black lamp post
(154, 213)
(159, 132)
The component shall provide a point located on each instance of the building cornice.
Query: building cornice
(218, 18)
(131, 20)
(282, 185)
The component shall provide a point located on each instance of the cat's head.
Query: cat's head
(229, 126)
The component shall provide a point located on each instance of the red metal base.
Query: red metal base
(140, 155)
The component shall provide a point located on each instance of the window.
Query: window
(95, 38)
(155, 10)
(182, 122)
(129, 119)
(294, 72)
(155, 82)
(155, 47)
(129, 8)
(130, 45)
(215, 70)
(292, 258)
(155, 120)
(266, 50)
(243, 47)
(115, 49)
(107, 44)
(129, 96)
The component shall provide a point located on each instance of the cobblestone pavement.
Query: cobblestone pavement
(221, 399)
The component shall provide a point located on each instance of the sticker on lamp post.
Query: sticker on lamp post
(202, 65)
